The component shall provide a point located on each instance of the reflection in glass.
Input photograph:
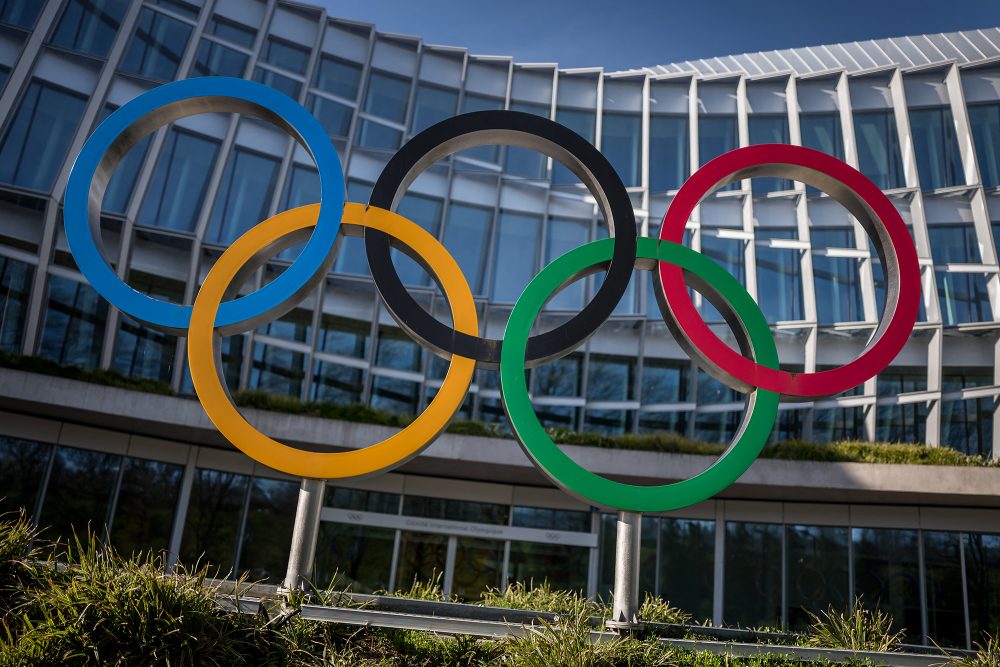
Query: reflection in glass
(687, 565)
(561, 377)
(901, 423)
(963, 297)
(286, 55)
(752, 589)
(39, 135)
(780, 270)
(157, 46)
(245, 192)
(562, 235)
(387, 96)
(139, 350)
(954, 244)
(467, 236)
(943, 588)
(395, 395)
(360, 556)
(472, 102)
(272, 79)
(984, 121)
(20, 12)
(834, 424)
(268, 533)
(730, 255)
(662, 422)
(333, 116)
(769, 129)
(838, 290)
(936, 148)
(532, 563)
(277, 370)
(78, 495)
(818, 576)
(982, 575)
(664, 381)
(231, 31)
(15, 288)
(180, 180)
(581, 121)
(518, 237)
(432, 105)
(426, 212)
(358, 499)
(377, 135)
(337, 383)
(213, 520)
(22, 467)
(551, 519)
(669, 152)
(89, 25)
(338, 77)
(822, 132)
(455, 510)
(422, 557)
(144, 511)
(716, 426)
(878, 148)
(610, 378)
(214, 59)
(74, 323)
(522, 161)
(717, 135)
(621, 140)
(478, 565)
(886, 574)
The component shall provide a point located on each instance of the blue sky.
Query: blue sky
(636, 33)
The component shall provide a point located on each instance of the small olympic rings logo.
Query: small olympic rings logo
(218, 312)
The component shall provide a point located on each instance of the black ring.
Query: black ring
(525, 130)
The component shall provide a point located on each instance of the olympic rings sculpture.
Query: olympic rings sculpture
(218, 311)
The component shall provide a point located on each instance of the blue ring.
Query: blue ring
(286, 286)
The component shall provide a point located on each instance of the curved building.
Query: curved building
(920, 116)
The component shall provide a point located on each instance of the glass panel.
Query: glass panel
(351, 258)
(963, 297)
(982, 575)
(886, 575)
(954, 244)
(397, 350)
(340, 335)
(426, 212)
(180, 180)
(561, 377)
(711, 391)
(522, 161)
(212, 525)
(157, 46)
(455, 510)
(181, 7)
(901, 423)
(716, 135)
(822, 132)
(669, 152)
(244, 195)
(365, 501)
(687, 565)
(38, 137)
(360, 556)
(89, 25)
(214, 59)
(539, 517)
(422, 557)
(22, 467)
(277, 370)
(268, 533)
(472, 102)
(15, 288)
(769, 130)
(431, 106)
(395, 395)
(120, 187)
(285, 55)
(648, 536)
(936, 148)
(610, 378)
(716, 426)
(21, 13)
(662, 422)
(899, 379)
(139, 350)
(984, 120)
(518, 238)
(729, 254)
(301, 188)
(333, 116)
(78, 495)
(295, 325)
(532, 563)
(387, 96)
(286, 84)
(838, 290)
(144, 513)
(621, 140)
(752, 590)
(467, 237)
(831, 237)
(74, 323)
(336, 383)
(878, 148)
(839, 424)
(562, 235)
(943, 588)
(780, 269)
(377, 135)
(477, 567)
(231, 31)
(818, 575)
(608, 422)
(968, 426)
(583, 122)
(338, 77)
(664, 381)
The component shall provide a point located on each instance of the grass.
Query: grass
(670, 443)
(858, 629)
(987, 654)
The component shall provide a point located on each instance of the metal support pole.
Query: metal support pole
(625, 610)
(303, 550)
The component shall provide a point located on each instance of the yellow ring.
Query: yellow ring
(330, 465)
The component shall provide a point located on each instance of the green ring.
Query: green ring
(573, 478)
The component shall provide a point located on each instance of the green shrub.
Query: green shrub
(107, 377)
(657, 610)
(858, 629)
(986, 655)
(422, 590)
(541, 597)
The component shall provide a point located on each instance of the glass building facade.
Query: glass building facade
(183, 194)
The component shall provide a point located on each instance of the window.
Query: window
(984, 120)
(886, 573)
(561, 377)
(832, 237)
(769, 129)
(687, 565)
(905, 423)
(157, 46)
(338, 77)
(343, 336)
(285, 84)
(838, 424)
(180, 181)
(472, 102)
(285, 55)
(387, 96)
(664, 381)
(954, 244)
(182, 7)
(517, 243)
(716, 426)
(140, 351)
(943, 587)
(426, 212)
(38, 138)
(467, 236)
(337, 383)
(581, 121)
(22, 466)
(78, 494)
(277, 370)
(780, 269)
(74, 323)
(144, 509)
(878, 148)
(838, 290)
(729, 254)
(967, 425)
(333, 116)
(562, 235)
(621, 141)
(21, 13)
(214, 59)
(244, 195)
(397, 350)
(523, 161)
(214, 517)
(752, 589)
(936, 148)
(295, 325)
(120, 187)
(4, 73)
(358, 556)
(89, 25)
(822, 132)
(982, 575)
(269, 519)
(610, 378)
(352, 257)
(15, 288)
(377, 135)
(432, 105)
(301, 188)
(717, 135)
(231, 31)
(963, 297)
(532, 563)
(818, 576)
(669, 152)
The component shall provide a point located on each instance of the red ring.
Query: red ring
(825, 383)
